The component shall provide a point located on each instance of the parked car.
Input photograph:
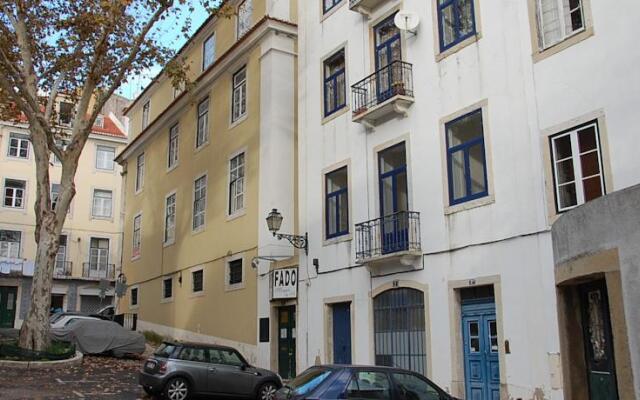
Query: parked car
(360, 382)
(60, 320)
(107, 312)
(96, 336)
(179, 370)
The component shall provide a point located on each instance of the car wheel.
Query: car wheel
(267, 391)
(177, 389)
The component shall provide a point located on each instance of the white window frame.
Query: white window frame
(136, 236)
(201, 226)
(99, 254)
(202, 136)
(162, 283)
(232, 193)
(22, 142)
(166, 239)
(137, 304)
(227, 273)
(562, 20)
(173, 147)
(12, 249)
(245, 9)
(102, 149)
(15, 191)
(239, 91)
(146, 109)
(140, 162)
(193, 271)
(61, 255)
(577, 167)
(209, 38)
(94, 214)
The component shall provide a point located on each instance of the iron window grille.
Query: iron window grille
(456, 22)
(394, 79)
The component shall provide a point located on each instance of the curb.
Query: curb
(71, 362)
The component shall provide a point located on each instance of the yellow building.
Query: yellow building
(92, 235)
(202, 172)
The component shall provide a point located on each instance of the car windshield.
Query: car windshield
(165, 350)
(309, 380)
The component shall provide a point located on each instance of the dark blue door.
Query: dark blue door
(394, 201)
(480, 340)
(388, 50)
(342, 333)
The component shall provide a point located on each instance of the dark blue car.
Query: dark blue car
(332, 382)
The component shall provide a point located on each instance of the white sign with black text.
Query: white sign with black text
(284, 283)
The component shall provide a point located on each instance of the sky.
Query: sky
(171, 37)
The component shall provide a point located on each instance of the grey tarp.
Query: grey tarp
(96, 336)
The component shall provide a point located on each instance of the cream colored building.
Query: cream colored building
(92, 235)
(202, 172)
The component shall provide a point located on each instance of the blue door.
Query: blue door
(394, 199)
(388, 50)
(342, 333)
(480, 340)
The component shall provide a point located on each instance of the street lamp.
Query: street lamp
(274, 222)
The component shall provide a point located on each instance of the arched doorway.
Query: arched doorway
(399, 329)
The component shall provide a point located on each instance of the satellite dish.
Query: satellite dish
(407, 21)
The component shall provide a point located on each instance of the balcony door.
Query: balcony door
(394, 199)
(98, 258)
(388, 49)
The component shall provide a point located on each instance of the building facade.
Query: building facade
(203, 170)
(90, 244)
(439, 141)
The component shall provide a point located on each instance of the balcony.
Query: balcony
(62, 269)
(385, 94)
(12, 266)
(364, 7)
(93, 270)
(395, 237)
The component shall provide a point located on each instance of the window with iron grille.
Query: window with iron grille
(137, 235)
(102, 203)
(239, 100)
(199, 201)
(334, 84)
(18, 145)
(167, 288)
(10, 243)
(197, 277)
(245, 12)
(170, 219)
(208, 51)
(235, 272)
(104, 158)
(457, 22)
(14, 192)
(172, 153)
(558, 20)
(337, 203)
(139, 172)
(202, 133)
(236, 184)
(134, 296)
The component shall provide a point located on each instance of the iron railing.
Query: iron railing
(398, 232)
(95, 270)
(62, 269)
(11, 266)
(394, 79)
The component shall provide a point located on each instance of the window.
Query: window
(134, 296)
(10, 243)
(199, 201)
(104, 158)
(139, 172)
(66, 113)
(202, 135)
(172, 156)
(62, 144)
(208, 51)
(413, 387)
(14, 191)
(137, 235)
(197, 279)
(236, 184)
(239, 101)
(167, 288)
(334, 84)
(145, 114)
(61, 256)
(55, 192)
(194, 354)
(559, 19)
(170, 219)
(328, 5)
(577, 166)
(466, 158)
(18, 145)
(98, 256)
(337, 203)
(102, 203)
(456, 22)
(99, 121)
(369, 385)
(235, 272)
(226, 357)
(245, 9)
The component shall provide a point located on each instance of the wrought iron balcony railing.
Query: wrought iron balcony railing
(394, 79)
(62, 269)
(98, 270)
(391, 234)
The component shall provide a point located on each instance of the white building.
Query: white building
(447, 131)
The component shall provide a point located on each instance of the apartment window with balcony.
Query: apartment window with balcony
(66, 113)
(14, 193)
(337, 203)
(61, 256)
(245, 13)
(197, 280)
(98, 258)
(104, 158)
(456, 22)
(202, 134)
(18, 145)
(208, 51)
(139, 172)
(334, 84)
(10, 243)
(239, 100)
(167, 288)
(137, 236)
(558, 20)
(134, 297)
(170, 219)
(328, 5)
(199, 202)
(236, 184)
(145, 114)
(172, 152)
(102, 203)
(466, 161)
(577, 166)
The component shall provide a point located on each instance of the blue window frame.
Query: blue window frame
(334, 84)
(337, 203)
(456, 22)
(466, 161)
(328, 5)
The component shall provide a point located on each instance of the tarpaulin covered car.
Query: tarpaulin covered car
(97, 337)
